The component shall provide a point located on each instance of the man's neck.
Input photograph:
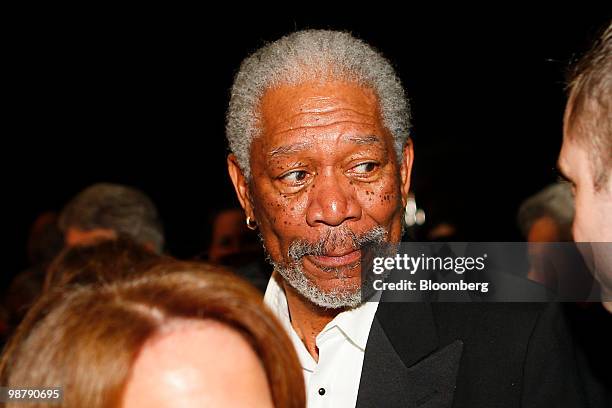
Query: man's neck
(307, 319)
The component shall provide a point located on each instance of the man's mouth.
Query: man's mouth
(340, 260)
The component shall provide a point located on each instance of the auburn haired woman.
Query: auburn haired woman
(183, 334)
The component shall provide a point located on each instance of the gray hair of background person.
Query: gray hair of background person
(589, 113)
(312, 55)
(123, 209)
(555, 201)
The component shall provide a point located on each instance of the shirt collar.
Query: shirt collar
(354, 324)
(276, 300)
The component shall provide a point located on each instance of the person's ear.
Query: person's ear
(406, 170)
(241, 185)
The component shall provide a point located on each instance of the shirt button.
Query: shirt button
(321, 391)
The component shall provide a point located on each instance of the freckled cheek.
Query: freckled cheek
(381, 207)
(380, 203)
(281, 212)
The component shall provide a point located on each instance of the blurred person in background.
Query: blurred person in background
(105, 211)
(586, 155)
(103, 262)
(232, 243)
(545, 219)
(181, 334)
(45, 241)
(547, 216)
(443, 231)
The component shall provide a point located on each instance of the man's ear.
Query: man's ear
(406, 170)
(241, 185)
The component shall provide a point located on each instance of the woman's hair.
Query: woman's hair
(102, 262)
(87, 339)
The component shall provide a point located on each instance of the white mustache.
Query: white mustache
(342, 237)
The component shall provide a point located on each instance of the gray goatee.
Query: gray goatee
(346, 294)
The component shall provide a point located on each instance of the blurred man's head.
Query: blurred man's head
(586, 155)
(318, 127)
(45, 239)
(105, 261)
(232, 242)
(547, 215)
(105, 211)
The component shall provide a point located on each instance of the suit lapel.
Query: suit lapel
(402, 365)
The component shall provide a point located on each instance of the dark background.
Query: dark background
(139, 99)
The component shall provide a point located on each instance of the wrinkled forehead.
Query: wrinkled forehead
(333, 108)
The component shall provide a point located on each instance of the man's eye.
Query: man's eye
(365, 168)
(294, 176)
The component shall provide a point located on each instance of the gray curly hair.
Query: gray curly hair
(312, 55)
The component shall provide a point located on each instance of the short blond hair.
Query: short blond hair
(588, 117)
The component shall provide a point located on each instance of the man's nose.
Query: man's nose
(332, 201)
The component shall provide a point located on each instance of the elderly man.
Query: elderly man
(586, 155)
(318, 127)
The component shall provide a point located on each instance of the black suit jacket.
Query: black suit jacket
(491, 355)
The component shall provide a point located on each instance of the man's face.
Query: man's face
(593, 218)
(325, 180)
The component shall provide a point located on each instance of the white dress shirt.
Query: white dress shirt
(334, 380)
